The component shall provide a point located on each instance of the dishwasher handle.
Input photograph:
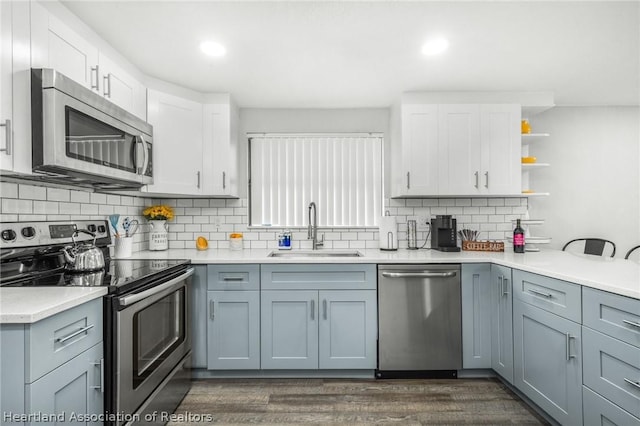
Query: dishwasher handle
(419, 274)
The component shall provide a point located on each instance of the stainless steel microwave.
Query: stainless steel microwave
(80, 138)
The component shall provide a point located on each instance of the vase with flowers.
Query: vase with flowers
(158, 217)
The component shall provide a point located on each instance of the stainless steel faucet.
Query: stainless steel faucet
(312, 232)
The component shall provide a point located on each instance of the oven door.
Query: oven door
(152, 337)
(80, 138)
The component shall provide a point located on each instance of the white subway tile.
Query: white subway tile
(446, 202)
(413, 202)
(184, 202)
(504, 210)
(97, 198)
(114, 199)
(267, 236)
(183, 219)
(463, 202)
(349, 236)
(480, 202)
(209, 211)
(209, 228)
(479, 218)
(488, 227)
(58, 194)
(31, 217)
(8, 190)
(30, 192)
(496, 202)
(58, 217)
(497, 218)
(12, 205)
(233, 203)
(396, 202)
(496, 235)
(225, 211)
(185, 236)
(223, 244)
(126, 200)
(257, 244)
(106, 209)
(176, 244)
(240, 211)
(201, 202)
(471, 210)
(201, 219)
(487, 210)
(340, 244)
(233, 219)
(430, 202)
(219, 236)
(357, 244)
(405, 211)
(438, 210)
(372, 244)
(177, 227)
(80, 196)
(192, 228)
(8, 217)
(217, 203)
(89, 209)
(365, 236)
(455, 210)
(512, 201)
(45, 207)
(192, 211)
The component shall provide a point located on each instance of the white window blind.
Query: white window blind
(342, 174)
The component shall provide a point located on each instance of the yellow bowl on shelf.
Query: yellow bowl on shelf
(529, 160)
(525, 127)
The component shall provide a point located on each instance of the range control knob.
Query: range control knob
(91, 228)
(8, 235)
(102, 229)
(29, 232)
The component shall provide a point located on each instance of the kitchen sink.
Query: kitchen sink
(315, 253)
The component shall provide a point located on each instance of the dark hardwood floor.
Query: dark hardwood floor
(337, 402)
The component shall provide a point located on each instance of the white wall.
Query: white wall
(257, 120)
(594, 177)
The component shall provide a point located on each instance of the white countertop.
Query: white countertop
(619, 276)
(613, 275)
(25, 305)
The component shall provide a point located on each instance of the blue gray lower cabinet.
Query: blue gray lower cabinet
(548, 361)
(199, 317)
(73, 391)
(318, 316)
(476, 315)
(502, 322)
(233, 331)
(598, 411)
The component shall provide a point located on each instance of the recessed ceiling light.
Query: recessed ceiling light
(435, 46)
(211, 48)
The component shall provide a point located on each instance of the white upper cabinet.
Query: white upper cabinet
(460, 150)
(419, 150)
(177, 144)
(220, 150)
(121, 88)
(6, 91)
(56, 45)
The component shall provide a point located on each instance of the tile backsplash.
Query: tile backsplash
(216, 218)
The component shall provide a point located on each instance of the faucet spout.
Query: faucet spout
(312, 230)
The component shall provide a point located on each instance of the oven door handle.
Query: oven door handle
(131, 299)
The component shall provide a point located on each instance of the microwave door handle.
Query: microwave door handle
(147, 154)
(139, 143)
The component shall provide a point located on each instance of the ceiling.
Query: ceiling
(337, 54)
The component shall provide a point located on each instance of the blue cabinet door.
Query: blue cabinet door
(289, 329)
(502, 322)
(199, 317)
(548, 361)
(347, 329)
(74, 388)
(476, 315)
(233, 332)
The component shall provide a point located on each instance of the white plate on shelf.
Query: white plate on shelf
(534, 240)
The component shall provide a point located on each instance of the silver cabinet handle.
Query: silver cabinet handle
(212, 307)
(568, 341)
(506, 285)
(539, 293)
(631, 323)
(233, 279)
(477, 179)
(107, 84)
(313, 309)
(408, 180)
(632, 383)
(8, 136)
(419, 274)
(501, 283)
(224, 180)
(101, 385)
(198, 175)
(95, 69)
(74, 334)
(486, 176)
(324, 308)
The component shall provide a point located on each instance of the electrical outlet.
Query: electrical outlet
(423, 223)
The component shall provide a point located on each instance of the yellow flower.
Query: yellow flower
(160, 212)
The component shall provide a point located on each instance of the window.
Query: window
(342, 174)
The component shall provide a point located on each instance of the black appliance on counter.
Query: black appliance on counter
(444, 235)
(146, 311)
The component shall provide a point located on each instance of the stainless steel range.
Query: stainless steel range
(146, 310)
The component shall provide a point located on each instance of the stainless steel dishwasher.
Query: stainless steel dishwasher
(420, 321)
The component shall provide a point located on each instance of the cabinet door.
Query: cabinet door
(54, 45)
(501, 149)
(476, 316)
(74, 388)
(177, 144)
(220, 146)
(419, 150)
(502, 322)
(289, 330)
(233, 333)
(121, 88)
(459, 149)
(6, 89)
(548, 361)
(348, 329)
(199, 317)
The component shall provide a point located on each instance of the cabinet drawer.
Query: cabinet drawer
(560, 297)
(57, 339)
(614, 315)
(599, 411)
(318, 277)
(612, 369)
(233, 277)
